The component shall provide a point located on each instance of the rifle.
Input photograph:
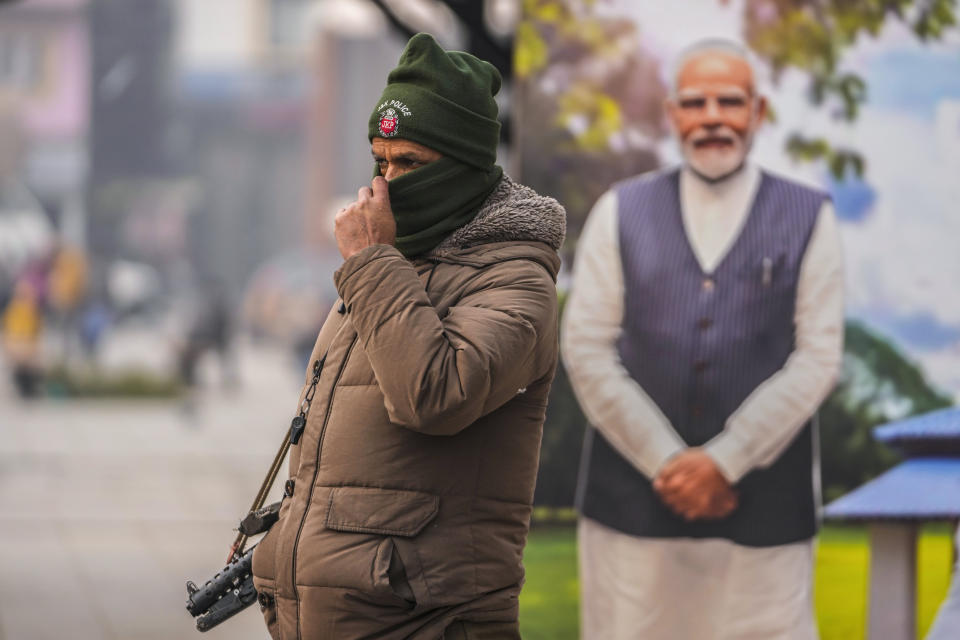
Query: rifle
(231, 590)
(224, 595)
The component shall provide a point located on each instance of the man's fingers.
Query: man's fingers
(343, 214)
(365, 193)
(675, 482)
(715, 512)
(679, 501)
(670, 466)
(380, 190)
(665, 476)
(665, 473)
(690, 511)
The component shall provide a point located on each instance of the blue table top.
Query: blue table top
(941, 424)
(917, 489)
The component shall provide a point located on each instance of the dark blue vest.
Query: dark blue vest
(698, 344)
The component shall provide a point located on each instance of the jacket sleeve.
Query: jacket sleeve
(439, 375)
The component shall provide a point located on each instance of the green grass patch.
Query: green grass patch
(550, 600)
(549, 604)
(93, 383)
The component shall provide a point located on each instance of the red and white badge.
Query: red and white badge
(388, 123)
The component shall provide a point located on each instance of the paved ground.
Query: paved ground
(107, 507)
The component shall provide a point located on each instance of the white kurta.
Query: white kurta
(705, 589)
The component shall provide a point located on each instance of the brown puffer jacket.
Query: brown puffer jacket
(414, 479)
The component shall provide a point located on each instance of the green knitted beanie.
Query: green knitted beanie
(443, 100)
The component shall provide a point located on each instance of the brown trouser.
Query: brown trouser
(482, 631)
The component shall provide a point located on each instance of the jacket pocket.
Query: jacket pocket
(390, 519)
(389, 512)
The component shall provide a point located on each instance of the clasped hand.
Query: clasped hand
(693, 487)
(366, 222)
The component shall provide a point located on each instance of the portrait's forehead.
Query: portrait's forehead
(700, 90)
(714, 69)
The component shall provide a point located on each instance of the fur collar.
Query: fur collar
(513, 212)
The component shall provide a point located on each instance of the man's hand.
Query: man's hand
(366, 222)
(692, 485)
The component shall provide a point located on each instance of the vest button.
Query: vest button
(705, 323)
(697, 411)
(708, 284)
(700, 366)
(288, 487)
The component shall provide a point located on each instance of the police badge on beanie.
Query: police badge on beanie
(444, 101)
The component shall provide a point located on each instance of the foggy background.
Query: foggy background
(169, 170)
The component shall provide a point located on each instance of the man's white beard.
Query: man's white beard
(716, 163)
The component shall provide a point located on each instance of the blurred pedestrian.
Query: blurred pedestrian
(215, 327)
(415, 453)
(22, 333)
(66, 291)
(703, 331)
(95, 319)
(209, 329)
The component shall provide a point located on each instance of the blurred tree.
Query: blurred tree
(560, 449)
(811, 35)
(877, 385)
(591, 101)
(482, 41)
(562, 437)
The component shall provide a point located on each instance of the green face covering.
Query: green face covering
(431, 202)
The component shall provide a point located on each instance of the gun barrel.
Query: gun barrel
(223, 584)
(228, 606)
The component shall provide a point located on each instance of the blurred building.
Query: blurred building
(354, 51)
(272, 101)
(45, 85)
(272, 108)
(202, 138)
(132, 165)
(242, 81)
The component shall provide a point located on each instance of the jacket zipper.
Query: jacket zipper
(316, 471)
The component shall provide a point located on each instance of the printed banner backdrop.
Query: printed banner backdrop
(593, 76)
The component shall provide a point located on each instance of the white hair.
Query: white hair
(711, 45)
